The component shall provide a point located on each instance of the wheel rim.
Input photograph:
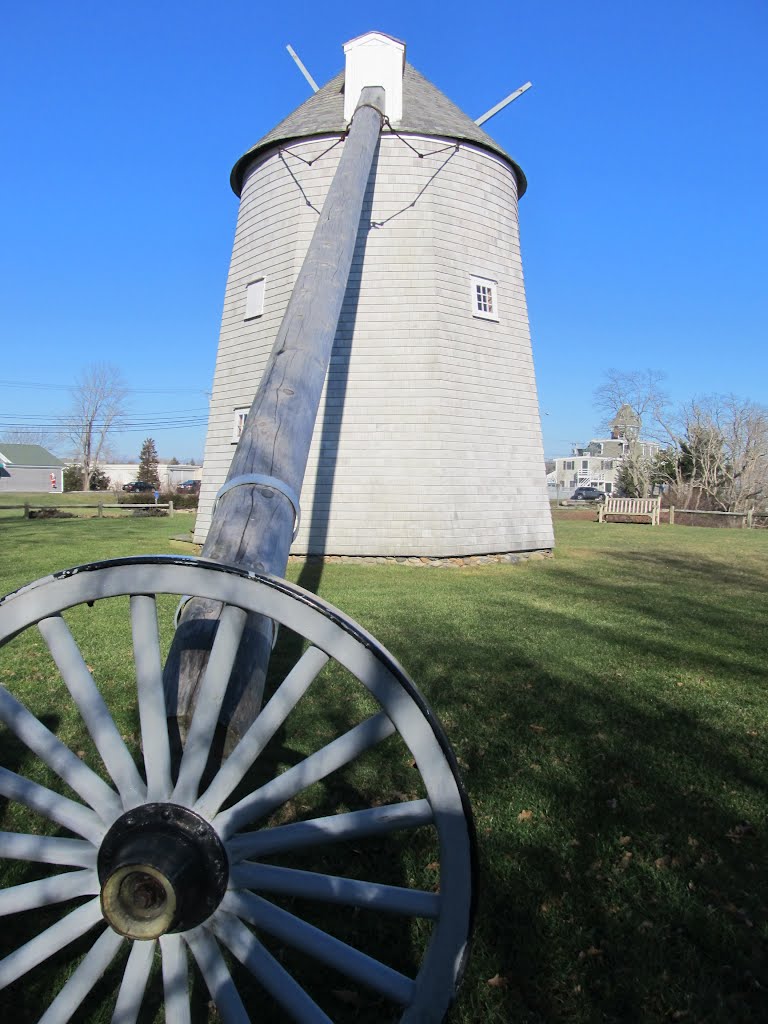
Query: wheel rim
(233, 924)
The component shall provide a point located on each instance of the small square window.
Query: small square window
(254, 298)
(484, 298)
(238, 422)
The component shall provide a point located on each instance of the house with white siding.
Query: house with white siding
(428, 437)
(598, 463)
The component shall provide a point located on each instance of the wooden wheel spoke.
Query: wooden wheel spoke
(321, 946)
(46, 891)
(335, 828)
(47, 850)
(49, 942)
(317, 766)
(134, 983)
(100, 724)
(287, 696)
(209, 702)
(52, 805)
(217, 977)
(393, 899)
(149, 684)
(59, 758)
(175, 980)
(263, 966)
(80, 983)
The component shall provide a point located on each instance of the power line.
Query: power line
(129, 390)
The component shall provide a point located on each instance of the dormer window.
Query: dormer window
(484, 298)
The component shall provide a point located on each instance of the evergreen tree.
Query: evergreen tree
(148, 464)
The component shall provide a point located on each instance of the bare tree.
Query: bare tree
(643, 392)
(723, 447)
(32, 435)
(640, 391)
(98, 406)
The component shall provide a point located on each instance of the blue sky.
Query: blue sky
(644, 229)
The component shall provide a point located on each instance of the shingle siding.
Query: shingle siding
(428, 439)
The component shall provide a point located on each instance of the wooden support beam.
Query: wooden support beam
(253, 522)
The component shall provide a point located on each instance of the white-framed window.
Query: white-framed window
(569, 464)
(254, 298)
(484, 298)
(238, 422)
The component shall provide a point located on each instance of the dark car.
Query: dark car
(138, 485)
(189, 487)
(588, 494)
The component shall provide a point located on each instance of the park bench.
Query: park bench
(650, 507)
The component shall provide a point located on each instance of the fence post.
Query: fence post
(100, 513)
(600, 511)
(170, 508)
(26, 510)
(671, 515)
(749, 518)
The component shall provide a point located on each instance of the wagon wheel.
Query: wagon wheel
(187, 867)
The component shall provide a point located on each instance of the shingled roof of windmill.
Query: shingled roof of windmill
(426, 111)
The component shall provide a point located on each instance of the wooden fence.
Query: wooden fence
(650, 507)
(28, 507)
(748, 518)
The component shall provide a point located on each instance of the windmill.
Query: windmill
(375, 364)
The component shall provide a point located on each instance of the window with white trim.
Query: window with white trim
(238, 422)
(484, 298)
(254, 298)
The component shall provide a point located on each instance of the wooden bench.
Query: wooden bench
(631, 507)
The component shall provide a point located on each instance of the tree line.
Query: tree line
(713, 450)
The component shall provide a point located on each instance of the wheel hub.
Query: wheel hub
(162, 868)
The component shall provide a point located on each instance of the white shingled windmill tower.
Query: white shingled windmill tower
(428, 439)
(376, 279)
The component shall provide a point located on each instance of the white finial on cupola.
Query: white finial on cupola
(374, 59)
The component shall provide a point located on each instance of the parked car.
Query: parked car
(138, 485)
(189, 487)
(588, 494)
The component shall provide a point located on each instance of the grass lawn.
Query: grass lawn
(610, 713)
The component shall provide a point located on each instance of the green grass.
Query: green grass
(609, 710)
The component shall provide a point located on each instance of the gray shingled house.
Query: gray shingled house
(29, 467)
(428, 438)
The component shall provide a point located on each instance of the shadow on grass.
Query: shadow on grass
(619, 780)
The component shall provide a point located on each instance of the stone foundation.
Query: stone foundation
(458, 562)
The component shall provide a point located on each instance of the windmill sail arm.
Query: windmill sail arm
(503, 103)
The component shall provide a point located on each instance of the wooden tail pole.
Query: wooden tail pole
(257, 508)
